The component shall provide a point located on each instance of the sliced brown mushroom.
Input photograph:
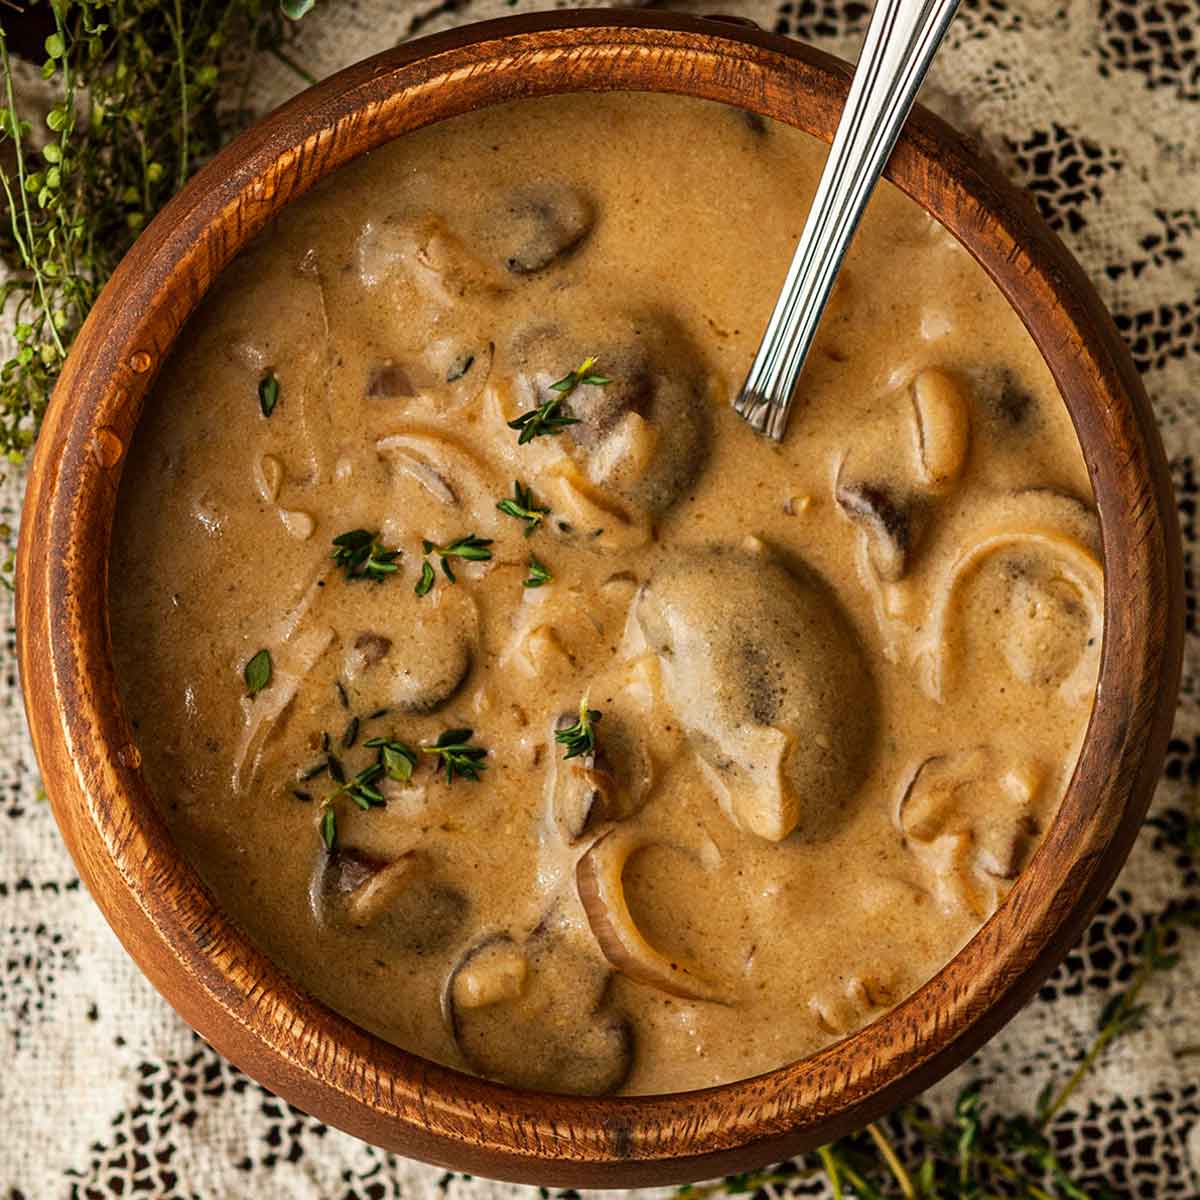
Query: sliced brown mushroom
(1058, 537)
(891, 522)
(599, 876)
(643, 435)
(401, 903)
(941, 424)
(367, 650)
(542, 224)
(971, 821)
(537, 1014)
(389, 380)
(769, 683)
(610, 785)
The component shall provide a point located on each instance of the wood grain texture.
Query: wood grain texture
(156, 903)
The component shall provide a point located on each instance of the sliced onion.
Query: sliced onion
(599, 879)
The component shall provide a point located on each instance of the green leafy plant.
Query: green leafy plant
(134, 113)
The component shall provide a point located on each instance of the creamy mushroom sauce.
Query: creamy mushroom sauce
(842, 681)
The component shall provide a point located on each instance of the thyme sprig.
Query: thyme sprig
(469, 548)
(454, 752)
(524, 507)
(361, 555)
(580, 738)
(539, 574)
(135, 113)
(585, 373)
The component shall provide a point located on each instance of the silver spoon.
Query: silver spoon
(902, 38)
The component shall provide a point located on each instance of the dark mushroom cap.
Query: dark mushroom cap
(559, 1032)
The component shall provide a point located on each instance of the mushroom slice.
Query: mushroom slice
(891, 524)
(599, 878)
(366, 651)
(971, 823)
(941, 424)
(610, 785)
(538, 1015)
(543, 223)
(1060, 536)
(768, 681)
(641, 412)
(401, 904)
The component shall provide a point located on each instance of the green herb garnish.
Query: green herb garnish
(585, 373)
(363, 556)
(258, 672)
(580, 738)
(268, 393)
(396, 759)
(329, 829)
(542, 421)
(523, 507)
(427, 580)
(538, 574)
(459, 758)
(359, 788)
(471, 548)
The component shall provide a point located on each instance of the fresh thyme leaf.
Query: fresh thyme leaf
(359, 788)
(268, 393)
(295, 9)
(460, 368)
(351, 734)
(337, 772)
(542, 421)
(585, 373)
(360, 553)
(580, 738)
(258, 671)
(427, 580)
(395, 758)
(538, 575)
(329, 829)
(453, 752)
(523, 507)
(471, 548)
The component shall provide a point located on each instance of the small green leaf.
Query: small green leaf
(297, 8)
(268, 393)
(258, 672)
(538, 575)
(55, 47)
(329, 829)
(427, 580)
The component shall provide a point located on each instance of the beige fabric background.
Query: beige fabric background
(1093, 104)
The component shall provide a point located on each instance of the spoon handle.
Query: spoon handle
(901, 40)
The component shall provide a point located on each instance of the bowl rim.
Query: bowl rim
(231, 993)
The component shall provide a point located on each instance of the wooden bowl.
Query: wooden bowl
(156, 903)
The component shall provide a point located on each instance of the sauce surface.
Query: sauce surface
(841, 683)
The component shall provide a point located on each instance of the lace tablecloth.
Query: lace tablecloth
(1094, 105)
